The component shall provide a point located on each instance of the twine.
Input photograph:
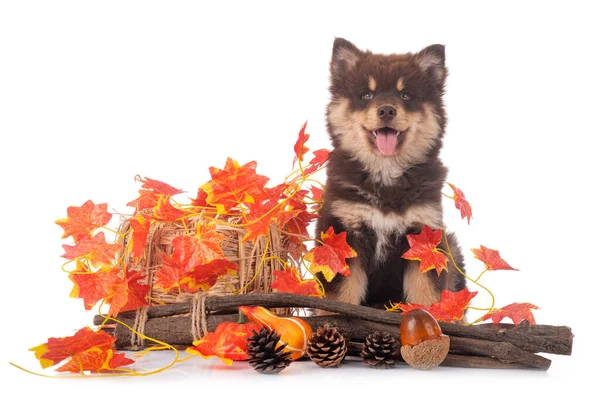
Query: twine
(199, 325)
(141, 317)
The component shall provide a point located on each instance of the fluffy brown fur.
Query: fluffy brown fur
(386, 120)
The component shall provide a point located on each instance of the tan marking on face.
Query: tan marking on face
(353, 288)
(422, 128)
(372, 84)
(419, 287)
(400, 84)
(353, 215)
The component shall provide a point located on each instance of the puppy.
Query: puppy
(386, 121)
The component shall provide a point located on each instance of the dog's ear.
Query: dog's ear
(432, 60)
(344, 57)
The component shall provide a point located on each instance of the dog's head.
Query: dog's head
(386, 110)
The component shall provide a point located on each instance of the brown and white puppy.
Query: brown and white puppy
(386, 120)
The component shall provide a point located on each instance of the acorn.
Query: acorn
(423, 344)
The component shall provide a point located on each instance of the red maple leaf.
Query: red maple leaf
(299, 148)
(200, 199)
(330, 258)
(202, 247)
(317, 193)
(205, 276)
(82, 221)
(86, 350)
(151, 192)
(94, 286)
(491, 258)
(140, 227)
(289, 281)
(94, 249)
(234, 185)
(320, 157)
(461, 203)
(170, 274)
(452, 306)
(423, 247)
(128, 295)
(165, 211)
(260, 217)
(517, 312)
(228, 342)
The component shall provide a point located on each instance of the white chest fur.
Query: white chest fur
(354, 215)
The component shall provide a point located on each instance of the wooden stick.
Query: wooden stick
(453, 360)
(532, 338)
(177, 330)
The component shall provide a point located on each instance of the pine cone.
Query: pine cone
(379, 350)
(265, 356)
(327, 347)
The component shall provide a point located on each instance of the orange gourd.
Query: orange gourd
(293, 331)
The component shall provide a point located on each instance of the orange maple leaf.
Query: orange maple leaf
(461, 203)
(228, 342)
(299, 148)
(451, 307)
(83, 220)
(165, 211)
(234, 185)
(423, 247)
(94, 286)
(320, 158)
(140, 227)
(170, 274)
(204, 276)
(289, 281)
(517, 312)
(87, 350)
(152, 190)
(95, 250)
(491, 258)
(200, 199)
(202, 247)
(330, 258)
(128, 294)
(260, 217)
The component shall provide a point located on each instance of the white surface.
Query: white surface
(92, 94)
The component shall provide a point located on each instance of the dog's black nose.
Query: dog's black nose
(386, 113)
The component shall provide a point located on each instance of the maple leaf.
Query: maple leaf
(95, 359)
(320, 157)
(83, 220)
(317, 193)
(94, 286)
(461, 203)
(140, 227)
(165, 211)
(228, 342)
(205, 276)
(452, 305)
(299, 148)
(260, 217)
(128, 295)
(55, 350)
(200, 199)
(491, 258)
(170, 274)
(202, 247)
(330, 258)
(517, 312)
(234, 185)
(423, 247)
(95, 249)
(289, 281)
(151, 193)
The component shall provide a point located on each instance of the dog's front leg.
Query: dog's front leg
(420, 288)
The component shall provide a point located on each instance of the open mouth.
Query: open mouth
(387, 139)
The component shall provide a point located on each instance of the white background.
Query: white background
(93, 93)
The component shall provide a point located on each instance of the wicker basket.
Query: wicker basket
(251, 277)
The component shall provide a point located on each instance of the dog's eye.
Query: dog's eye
(367, 96)
(405, 96)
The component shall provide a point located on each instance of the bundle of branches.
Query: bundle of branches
(480, 346)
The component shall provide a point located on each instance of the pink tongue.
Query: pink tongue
(386, 142)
